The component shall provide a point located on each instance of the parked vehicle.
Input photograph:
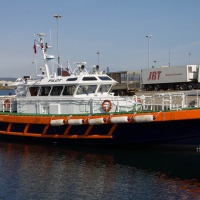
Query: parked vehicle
(127, 82)
(177, 78)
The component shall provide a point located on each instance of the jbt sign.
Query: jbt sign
(155, 75)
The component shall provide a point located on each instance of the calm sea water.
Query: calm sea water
(30, 171)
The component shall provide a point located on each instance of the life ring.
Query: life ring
(139, 100)
(105, 107)
(6, 103)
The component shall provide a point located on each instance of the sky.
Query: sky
(116, 29)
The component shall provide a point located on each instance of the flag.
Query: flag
(34, 47)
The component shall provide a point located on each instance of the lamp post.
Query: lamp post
(98, 57)
(189, 58)
(155, 63)
(148, 36)
(57, 16)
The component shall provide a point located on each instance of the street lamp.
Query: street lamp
(189, 58)
(98, 57)
(57, 16)
(148, 36)
(155, 63)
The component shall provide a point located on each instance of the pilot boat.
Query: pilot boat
(78, 107)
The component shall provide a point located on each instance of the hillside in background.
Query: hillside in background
(8, 79)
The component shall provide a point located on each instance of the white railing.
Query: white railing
(156, 102)
(171, 101)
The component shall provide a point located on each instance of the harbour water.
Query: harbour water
(33, 171)
(7, 92)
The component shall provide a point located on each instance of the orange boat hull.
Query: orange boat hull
(173, 128)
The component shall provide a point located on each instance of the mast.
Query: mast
(44, 49)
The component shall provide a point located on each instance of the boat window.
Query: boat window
(86, 89)
(104, 88)
(69, 90)
(105, 78)
(33, 91)
(56, 90)
(71, 79)
(91, 78)
(44, 91)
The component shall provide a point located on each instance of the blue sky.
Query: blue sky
(115, 28)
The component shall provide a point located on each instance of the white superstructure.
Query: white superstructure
(81, 92)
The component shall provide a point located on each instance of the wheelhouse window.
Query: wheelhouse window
(69, 90)
(104, 88)
(44, 91)
(86, 89)
(105, 78)
(56, 90)
(34, 91)
(89, 78)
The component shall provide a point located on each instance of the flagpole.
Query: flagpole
(35, 51)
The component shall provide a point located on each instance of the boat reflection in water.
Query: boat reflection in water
(56, 172)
